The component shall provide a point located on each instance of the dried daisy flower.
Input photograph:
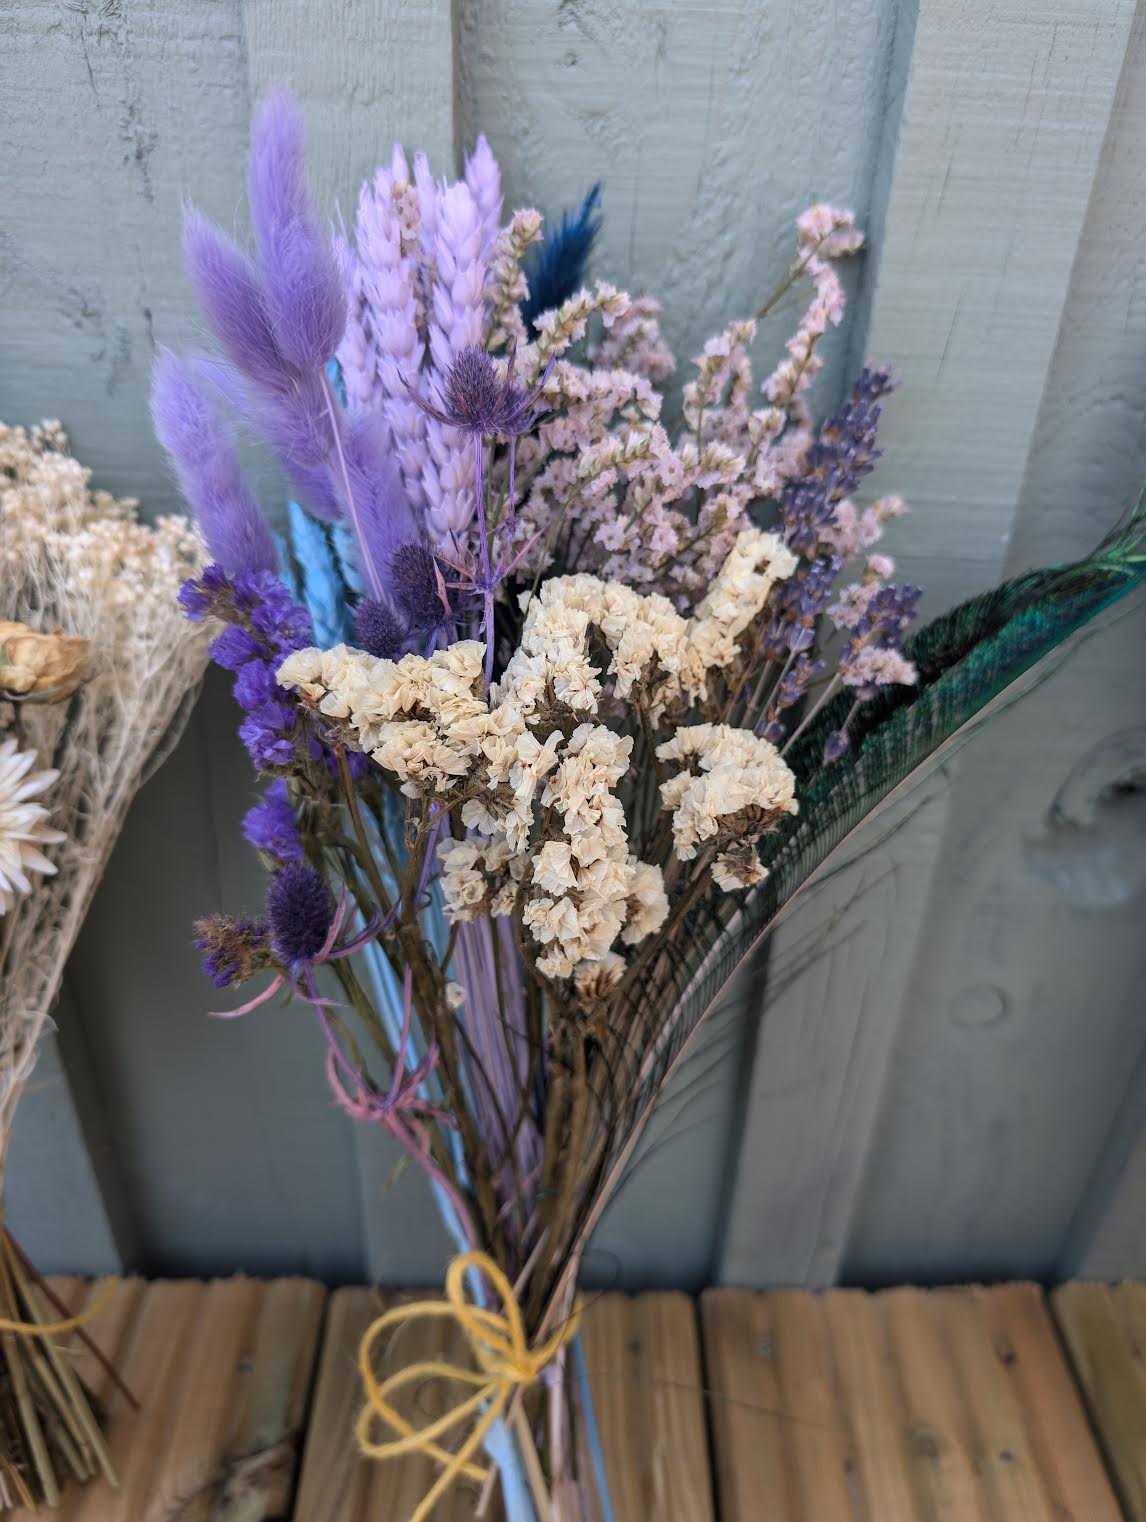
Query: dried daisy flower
(24, 823)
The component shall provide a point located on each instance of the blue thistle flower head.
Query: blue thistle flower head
(300, 910)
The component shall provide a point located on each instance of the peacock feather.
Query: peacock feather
(966, 658)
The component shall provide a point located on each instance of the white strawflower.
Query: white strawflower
(23, 824)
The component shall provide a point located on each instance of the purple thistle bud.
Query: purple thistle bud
(414, 579)
(377, 630)
(478, 400)
(302, 282)
(301, 910)
(270, 824)
(233, 949)
(207, 465)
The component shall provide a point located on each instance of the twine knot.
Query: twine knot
(505, 1361)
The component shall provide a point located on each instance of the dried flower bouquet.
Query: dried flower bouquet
(558, 707)
(96, 673)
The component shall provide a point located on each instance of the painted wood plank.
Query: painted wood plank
(1001, 138)
(1108, 1365)
(1060, 1436)
(1004, 122)
(745, 1418)
(972, 1170)
(664, 103)
(59, 1202)
(836, 976)
(366, 75)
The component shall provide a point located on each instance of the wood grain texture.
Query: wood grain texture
(1103, 1327)
(1042, 871)
(712, 126)
(745, 1416)
(907, 1406)
(1001, 140)
(837, 970)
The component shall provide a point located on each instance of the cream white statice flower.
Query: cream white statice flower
(739, 774)
(24, 827)
(535, 774)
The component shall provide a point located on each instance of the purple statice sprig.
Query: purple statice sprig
(833, 466)
(271, 826)
(264, 626)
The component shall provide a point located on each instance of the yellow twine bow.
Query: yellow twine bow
(58, 1328)
(505, 1362)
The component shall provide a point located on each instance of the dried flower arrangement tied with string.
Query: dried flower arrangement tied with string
(97, 671)
(557, 706)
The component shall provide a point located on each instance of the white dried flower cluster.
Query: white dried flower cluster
(78, 560)
(738, 771)
(538, 794)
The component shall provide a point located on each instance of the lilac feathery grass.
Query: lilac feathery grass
(203, 452)
(227, 288)
(377, 504)
(302, 281)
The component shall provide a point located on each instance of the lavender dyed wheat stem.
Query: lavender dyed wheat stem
(368, 560)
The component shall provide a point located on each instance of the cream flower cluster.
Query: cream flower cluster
(738, 772)
(535, 773)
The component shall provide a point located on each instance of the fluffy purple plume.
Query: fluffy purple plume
(302, 282)
(378, 509)
(226, 286)
(202, 450)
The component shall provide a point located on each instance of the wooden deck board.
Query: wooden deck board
(905, 1406)
(1104, 1329)
(222, 1372)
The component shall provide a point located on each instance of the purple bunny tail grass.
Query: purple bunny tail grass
(203, 452)
(226, 286)
(379, 512)
(301, 276)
